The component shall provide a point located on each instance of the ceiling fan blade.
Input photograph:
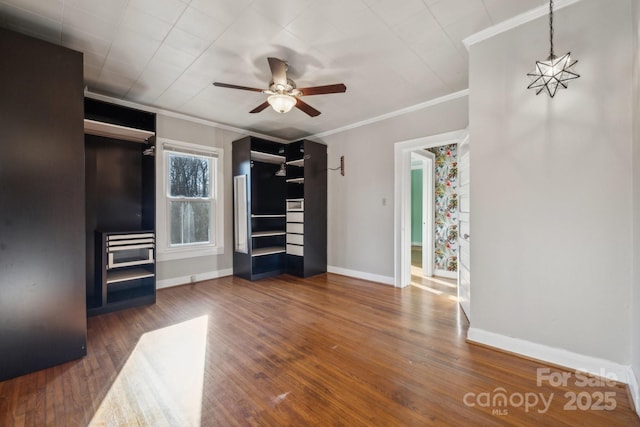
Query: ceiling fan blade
(321, 90)
(278, 71)
(253, 89)
(301, 105)
(260, 107)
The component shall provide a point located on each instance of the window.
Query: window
(190, 211)
(189, 198)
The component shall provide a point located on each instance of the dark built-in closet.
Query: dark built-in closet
(280, 208)
(42, 222)
(120, 206)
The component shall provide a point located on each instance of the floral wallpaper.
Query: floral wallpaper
(446, 209)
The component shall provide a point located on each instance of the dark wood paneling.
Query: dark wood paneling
(42, 225)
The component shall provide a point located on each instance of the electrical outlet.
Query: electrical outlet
(384, 201)
(193, 279)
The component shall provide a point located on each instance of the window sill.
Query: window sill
(184, 253)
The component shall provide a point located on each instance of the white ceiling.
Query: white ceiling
(391, 54)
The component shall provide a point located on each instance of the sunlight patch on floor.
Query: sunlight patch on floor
(161, 383)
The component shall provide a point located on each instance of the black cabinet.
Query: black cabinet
(306, 206)
(125, 270)
(271, 233)
(120, 199)
(42, 248)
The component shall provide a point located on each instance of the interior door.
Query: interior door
(464, 235)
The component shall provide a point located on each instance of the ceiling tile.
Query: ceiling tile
(394, 12)
(281, 12)
(81, 41)
(32, 24)
(201, 25)
(51, 9)
(88, 23)
(224, 11)
(500, 10)
(417, 27)
(190, 44)
(131, 68)
(314, 28)
(145, 24)
(93, 59)
(448, 12)
(127, 45)
(466, 26)
(368, 23)
(110, 10)
(113, 84)
(177, 58)
(249, 31)
(91, 74)
(167, 10)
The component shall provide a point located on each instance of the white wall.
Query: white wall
(175, 271)
(635, 321)
(360, 225)
(551, 189)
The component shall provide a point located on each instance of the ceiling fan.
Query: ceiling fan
(283, 93)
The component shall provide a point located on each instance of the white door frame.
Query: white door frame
(402, 198)
(428, 210)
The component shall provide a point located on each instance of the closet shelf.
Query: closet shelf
(268, 233)
(299, 163)
(268, 251)
(126, 275)
(296, 180)
(267, 157)
(268, 215)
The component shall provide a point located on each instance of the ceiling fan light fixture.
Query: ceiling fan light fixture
(281, 103)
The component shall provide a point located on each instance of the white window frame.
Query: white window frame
(166, 252)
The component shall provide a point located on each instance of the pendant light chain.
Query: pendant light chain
(551, 27)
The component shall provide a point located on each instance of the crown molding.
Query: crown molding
(514, 22)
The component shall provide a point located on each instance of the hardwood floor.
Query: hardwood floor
(327, 350)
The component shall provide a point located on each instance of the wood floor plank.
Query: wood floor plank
(327, 350)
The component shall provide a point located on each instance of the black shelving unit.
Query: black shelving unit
(263, 236)
(120, 200)
(261, 252)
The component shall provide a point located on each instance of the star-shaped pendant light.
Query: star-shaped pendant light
(552, 74)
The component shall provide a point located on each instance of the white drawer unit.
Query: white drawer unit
(295, 216)
(295, 239)
(293, 227)
(295, 250)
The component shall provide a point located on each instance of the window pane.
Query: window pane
(190, 222)
(189, 175)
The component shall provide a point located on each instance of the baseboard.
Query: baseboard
(361, 275)
(446, 273)
(634, 389)
(183, 280)
(554, 356)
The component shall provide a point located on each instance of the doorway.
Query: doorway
(422, 211)
(402, 211)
